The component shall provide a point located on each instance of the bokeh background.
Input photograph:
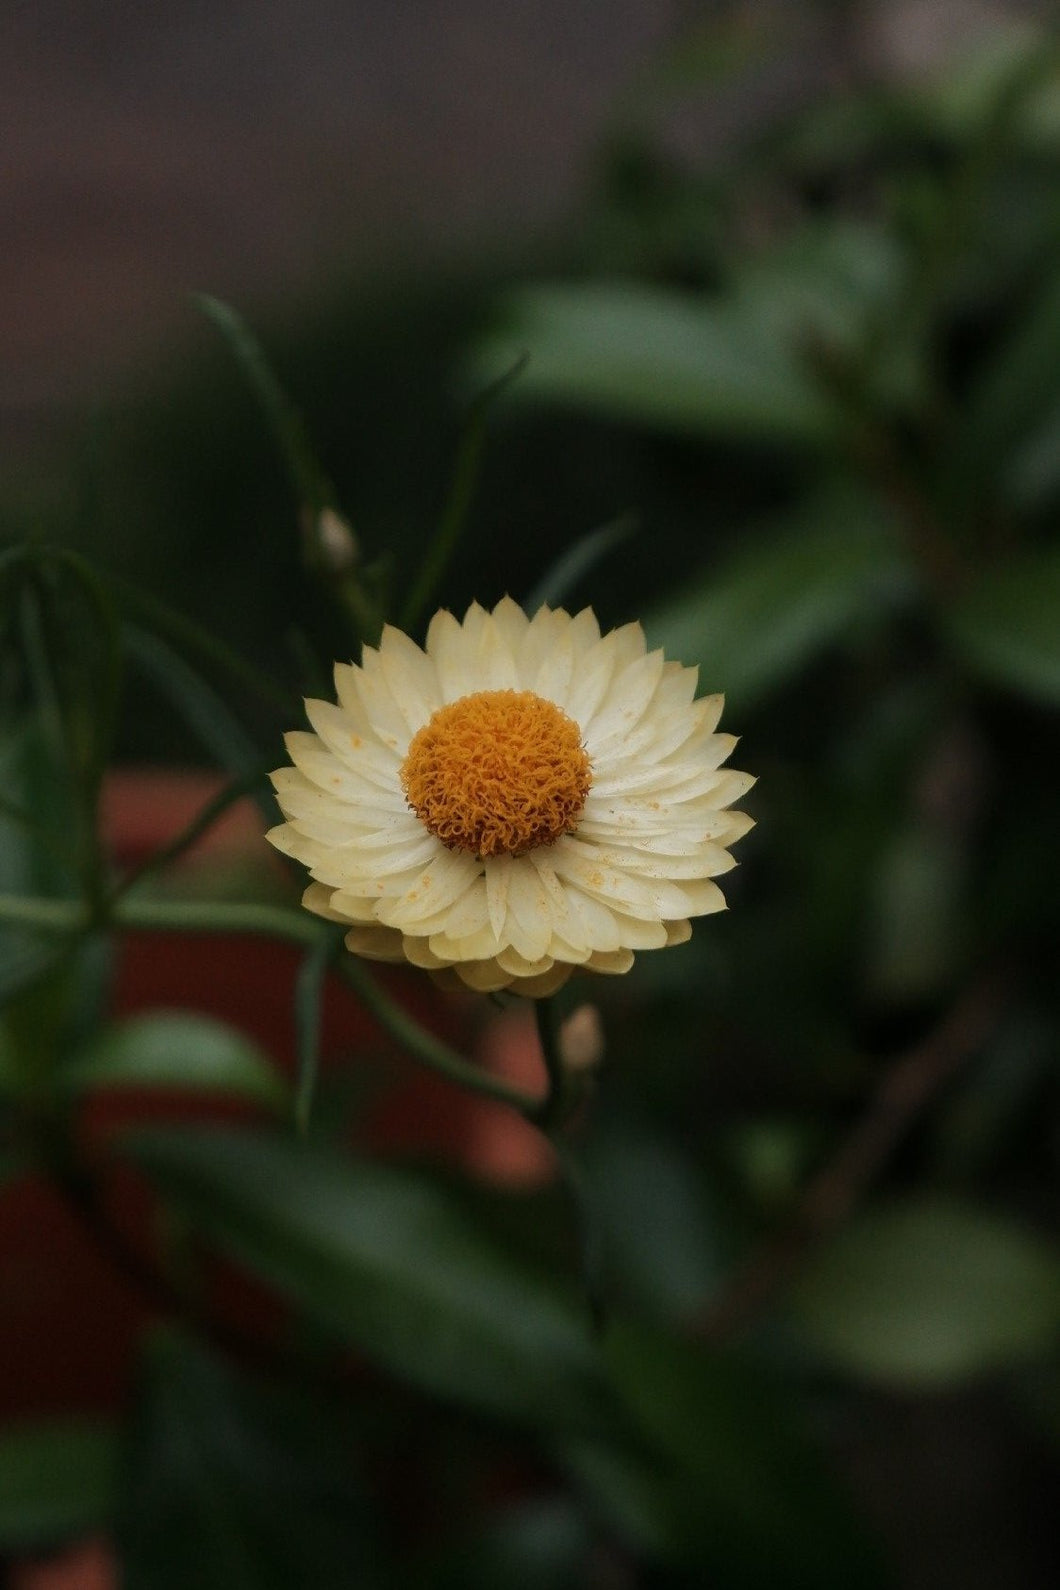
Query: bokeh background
(787, 278)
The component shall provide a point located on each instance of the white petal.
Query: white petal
(470, 914)
(566, 922)
(374, 762)
(529, 923)
(485, 977)
(376, 704)
(420, 952)
(445, 644)
(614, 965)
(538, 641)
(682, 779)
(410, 676)
(329, 773)
(520, 966)
(494, 661)
(480, 945)
(625, 703)
(545, 985)
(556, 669)
(703, 897)
(440, 884)
(588, 687)
(599, 923)
(498, 873)
(317, 898)
(375, 943)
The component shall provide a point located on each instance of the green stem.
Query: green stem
(550, 1111)
(590, 1243)
(272, 921)
(200, 824)
(431, 1050)
(49, 916)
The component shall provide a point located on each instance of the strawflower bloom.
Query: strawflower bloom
(519, 798)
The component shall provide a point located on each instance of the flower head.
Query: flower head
(516, 799)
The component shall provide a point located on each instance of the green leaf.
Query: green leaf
(156, 618)
(929, 1292)
(737, 364)
(308, 1004)
(1015, 71)
(753, 623)
(308, 479)
(388, 1263)
(203, 710)
(578, 560)
(822, 287)
(42, 975)
(1007, 626)
(662, 359)
(466, 470)
(718, 1476)
(232, 1485)
(56, 1481)
(73, 647)
(209, 717)
(177, 1049)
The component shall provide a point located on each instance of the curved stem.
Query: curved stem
(431, 1050)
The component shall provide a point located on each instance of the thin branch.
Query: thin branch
(154, 1288)
(908, 1086)
(213, 810)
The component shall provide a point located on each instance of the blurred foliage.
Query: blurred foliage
(796, 404)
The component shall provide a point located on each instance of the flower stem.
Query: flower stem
(549, 1113)
(424, 1046)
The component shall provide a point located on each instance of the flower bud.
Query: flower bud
(336, 543)
(581, 1039)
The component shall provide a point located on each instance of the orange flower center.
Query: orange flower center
(497, 773)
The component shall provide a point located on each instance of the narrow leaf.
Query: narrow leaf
(206, 714)
(308, 479)
(308, 1003)
(461, 491)
(572, 565)
(657, 358)
(754, 623)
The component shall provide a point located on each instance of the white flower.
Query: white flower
(519, 798)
